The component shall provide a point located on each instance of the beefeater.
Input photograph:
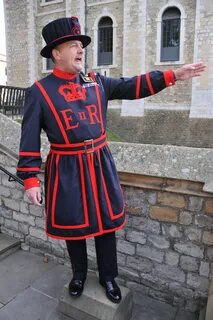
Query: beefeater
(83, 196)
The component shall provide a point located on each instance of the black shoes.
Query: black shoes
(113, 291)
(76, 287)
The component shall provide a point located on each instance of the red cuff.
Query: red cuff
(31, 182)
(169, 78)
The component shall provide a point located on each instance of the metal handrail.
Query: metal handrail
(12, 177)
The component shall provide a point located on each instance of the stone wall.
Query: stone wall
(165, 250)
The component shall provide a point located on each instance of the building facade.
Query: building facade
(129, 37)
(3, 70)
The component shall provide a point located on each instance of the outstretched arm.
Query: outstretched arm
(189, 71)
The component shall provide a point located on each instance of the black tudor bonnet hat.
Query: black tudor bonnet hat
(62, 30)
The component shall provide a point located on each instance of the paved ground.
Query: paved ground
(30, 288)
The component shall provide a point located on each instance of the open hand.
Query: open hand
(189, 71)
(34, 195)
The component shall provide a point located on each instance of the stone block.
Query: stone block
(126, 247)
(13, 225)
(163, 214)
(208, 206)
(136, 236)
(173, 231)
(36, 210)
(193, 234)
(178, 289)
(185, 217)
(11, 203)
(93, 304)
(4, 191)
(195, 204)
(150, 253)
(169, 272)
(159, 242)
(24, 207)
(154, 281)
(38, 233)
(145, 224)
(204, 269)
(189, 263)
(172, 258)
(171, 200)
(138, 263)
(189, 249)
(197, 282)
(24, 218)
(204, 221)
(207, 238)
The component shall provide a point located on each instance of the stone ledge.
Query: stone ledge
(93, 304)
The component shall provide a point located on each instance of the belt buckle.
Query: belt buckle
(92, 146)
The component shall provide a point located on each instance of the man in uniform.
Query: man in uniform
(83, 197)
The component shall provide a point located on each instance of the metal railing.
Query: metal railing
(12, 100)
(11, 176)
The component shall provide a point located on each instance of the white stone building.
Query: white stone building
(129, 37)
(3, 69)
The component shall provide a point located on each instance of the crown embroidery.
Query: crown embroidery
(72, 91)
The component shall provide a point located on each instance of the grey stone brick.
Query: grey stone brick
(198, 282)
(4, 191)
(38, 233)
(195, 204)
(189, 263)
(204, 221)
(185, 217)
(204, 269)
(23, 228)
(120, 233)
(172, 231)
(180, 290)
(190, 249)
(11, 203)
(129, 275)
(6, 213)
(159, 242)
(13, 225)
(154, 281)
(210, 253)
(40, 222)
(137, 263)
(193, 234)
(144, 224)
(121, 259)
(136, 236)
(152, 197)
(150, 253)
(17, 194)
(36, 210)
(169, 272)
(24, 207)
(172, 258)
(125, 247)
(24, 218)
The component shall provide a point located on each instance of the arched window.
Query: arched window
(170, 34)
(105, 41)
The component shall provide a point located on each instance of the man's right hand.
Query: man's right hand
(34, 195)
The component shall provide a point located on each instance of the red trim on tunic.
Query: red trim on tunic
(90, 160)
(149, 84)
(89, 235)
(83, 188)
(55, 191)
(112, 215)
(28, 169)
(30, 154)
(98, 100)
(138, 85)
(49, 175)
(31, 183)
(63, 74)
(49, 102)
(169, 78)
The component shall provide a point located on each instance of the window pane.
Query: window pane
(170, 42)
(105, 41)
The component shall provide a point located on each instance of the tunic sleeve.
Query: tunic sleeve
(29, 152)
(139, 86)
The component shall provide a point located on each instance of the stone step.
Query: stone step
(93, 304)
(8, 245)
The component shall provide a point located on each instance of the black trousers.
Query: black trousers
(105, 246)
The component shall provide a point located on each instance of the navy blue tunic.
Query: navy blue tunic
(83, 196)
